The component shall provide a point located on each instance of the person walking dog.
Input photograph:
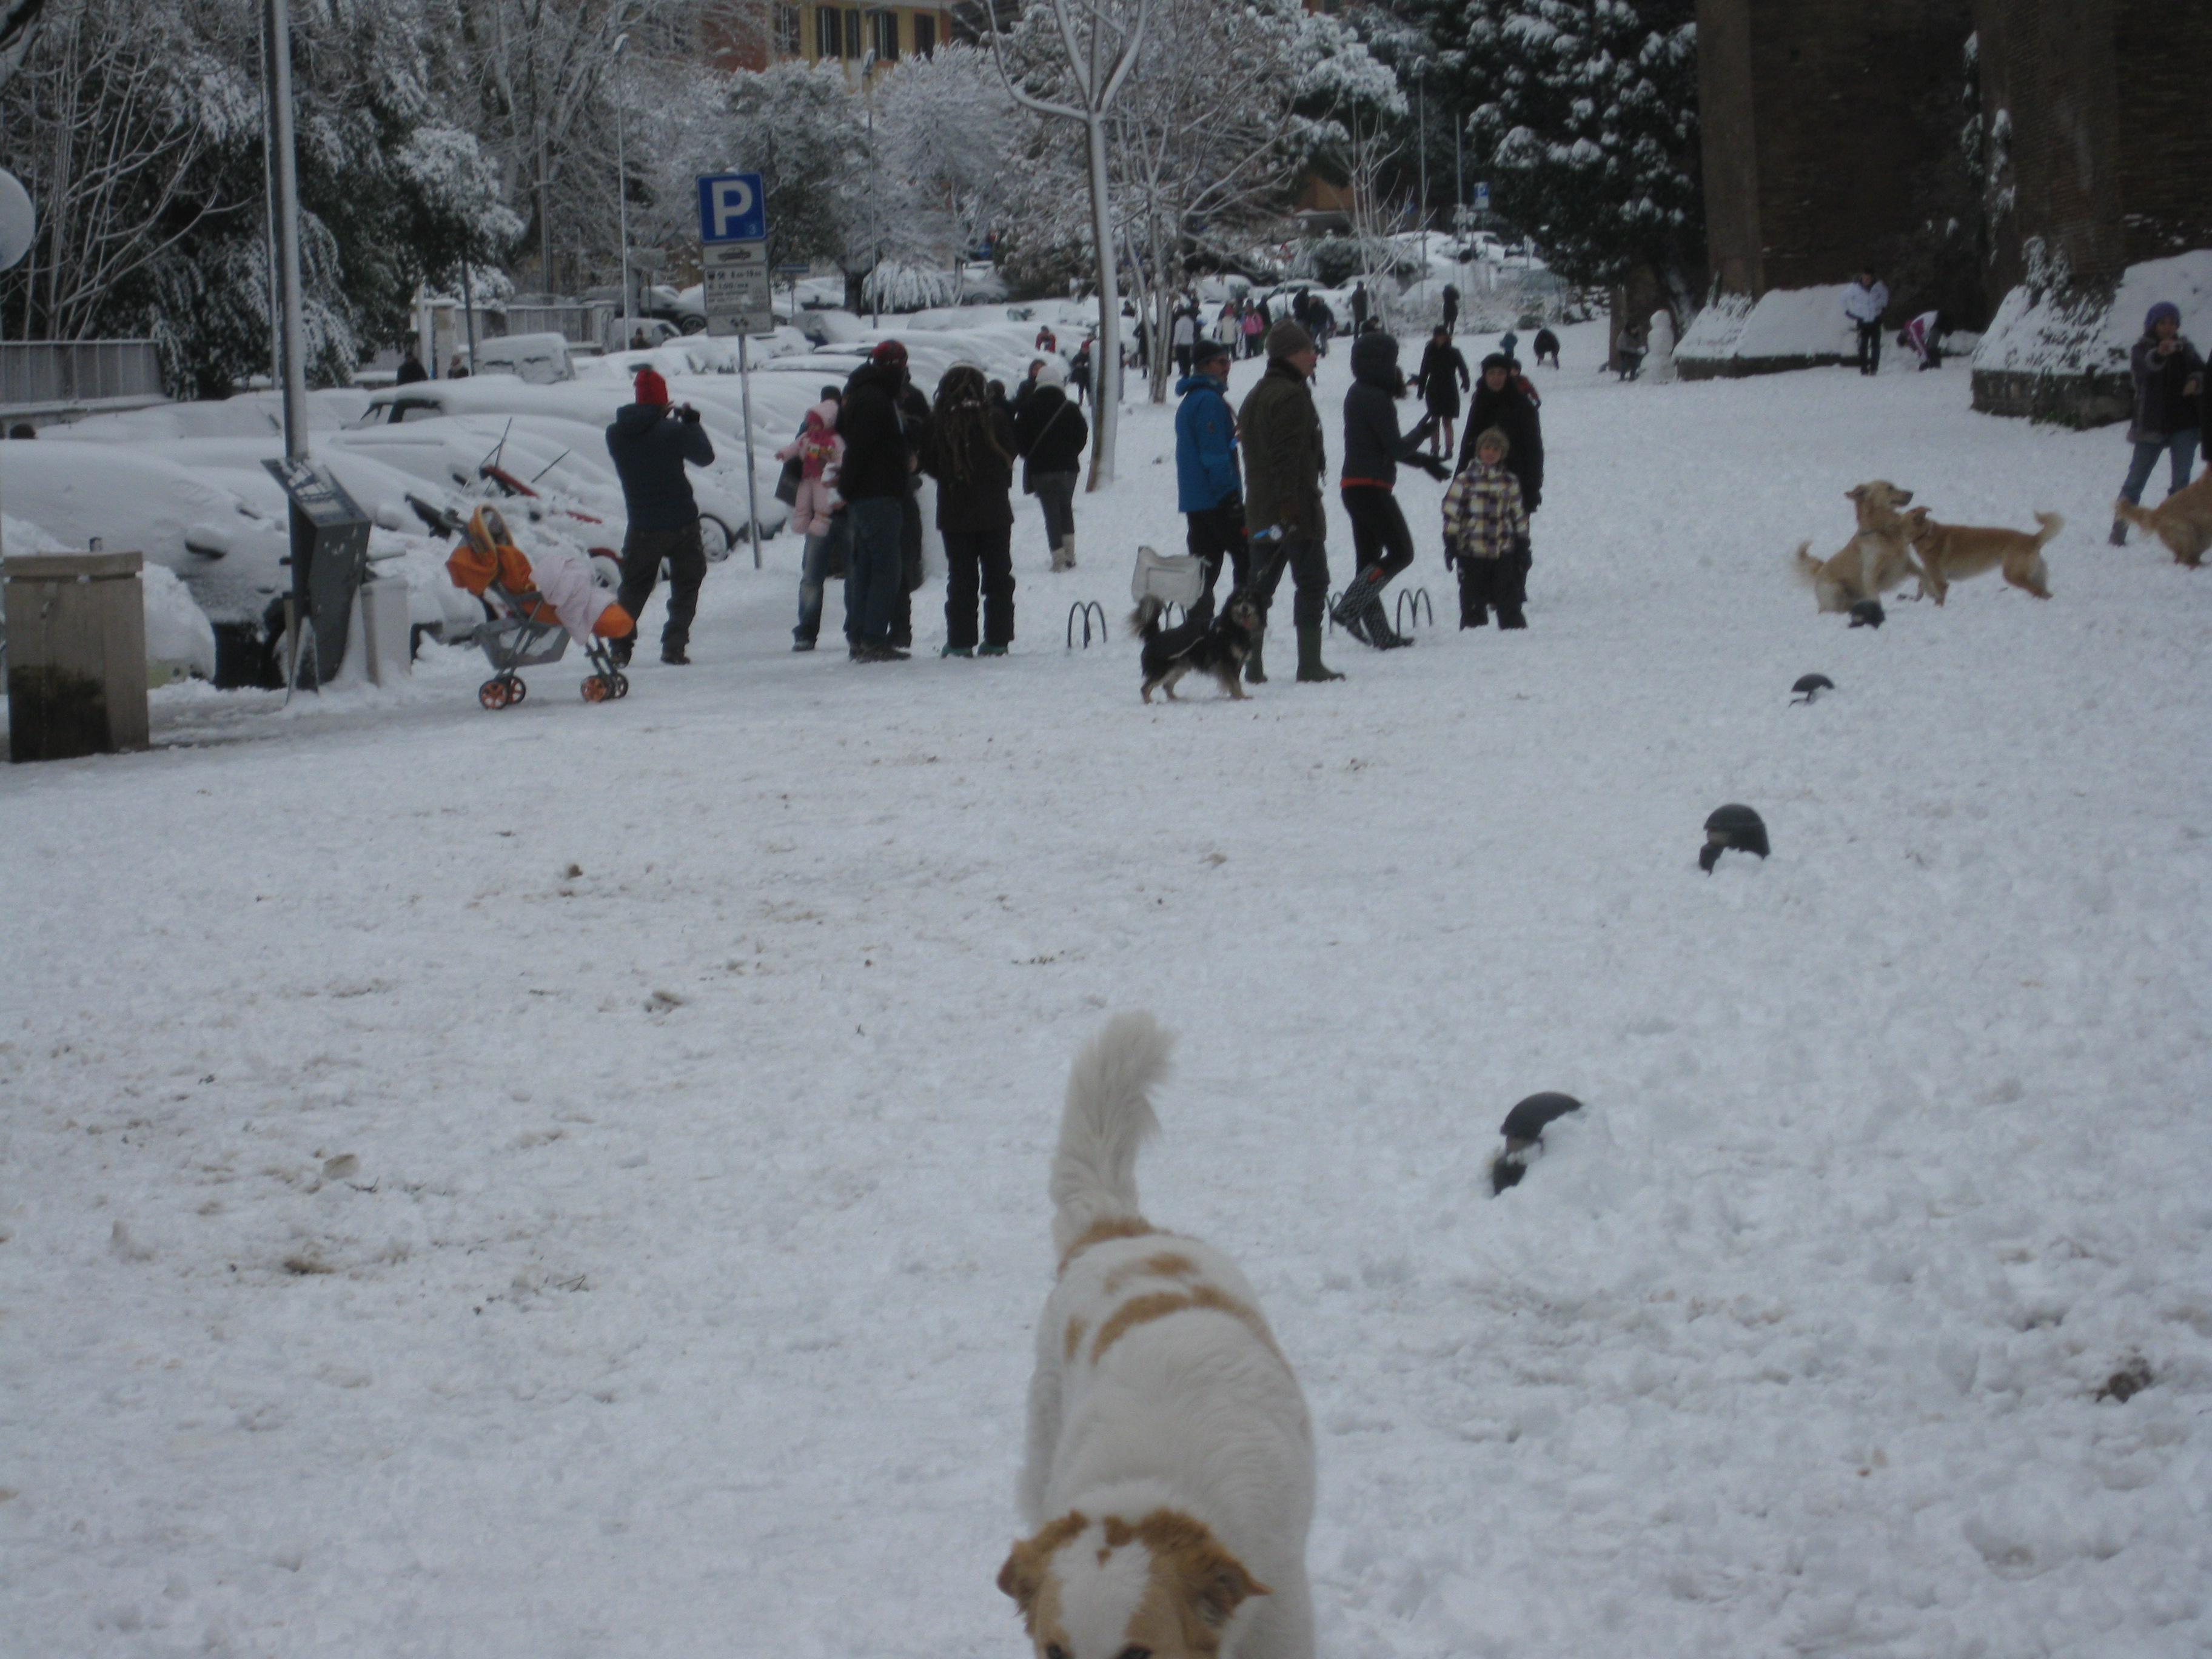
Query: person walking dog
(2169, 377)
(1209, 488)
(1284, 461)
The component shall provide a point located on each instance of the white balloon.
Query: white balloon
(19, 221)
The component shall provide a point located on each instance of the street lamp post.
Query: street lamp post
(621, 186)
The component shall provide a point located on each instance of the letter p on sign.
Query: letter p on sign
(730, 208)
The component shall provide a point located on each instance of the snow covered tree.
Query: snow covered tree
(1585, 116)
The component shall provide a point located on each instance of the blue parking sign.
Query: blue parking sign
(733, 208)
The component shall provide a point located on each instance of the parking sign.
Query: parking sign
(733, 208)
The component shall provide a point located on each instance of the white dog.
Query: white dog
(1169, 1479)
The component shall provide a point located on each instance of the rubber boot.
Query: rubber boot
(1351, 611)
(1254, 673)
(1381, 634)
(1310, 666)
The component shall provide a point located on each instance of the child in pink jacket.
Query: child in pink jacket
(818, 450)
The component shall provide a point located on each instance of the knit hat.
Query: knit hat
(1497, 359)
(2159, 312)
(1287, 339)
(1055, 371)
(1209, 351)
(888, 351)
(650, 388)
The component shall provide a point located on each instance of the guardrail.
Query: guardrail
(77, 371)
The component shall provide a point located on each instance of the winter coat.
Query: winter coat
(982, 501)
(1511, 413)
(1049, 433)
(410, 371)
(1547, 345)
(1442, 380)
(1373, 445)
(2161, 407)
(817, 446)
(1284, 458)
(649, 444)
(1206, 446)
(1865, 305)
(875, 464)
(1483, 513)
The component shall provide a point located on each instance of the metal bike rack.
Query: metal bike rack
(1420, 597)
(1086, 609)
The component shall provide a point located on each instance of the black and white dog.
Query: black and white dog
(1203, 645)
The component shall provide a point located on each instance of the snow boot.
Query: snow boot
(1254, 673)
(1379, 633)
(2119, 536)
(1350, 612)
(958, 651)
(1310, 666)
(987, 649)
(1067, 547)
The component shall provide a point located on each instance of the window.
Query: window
(887, 32)
(925, 35)
(787, 30)
(828, 38)
(852, 47)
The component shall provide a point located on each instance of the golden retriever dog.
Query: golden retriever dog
(1168, 1481)
(1951, 552)
(1875, 559)
(2183, 520)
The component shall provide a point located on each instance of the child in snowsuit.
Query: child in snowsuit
(817, 449)
(1486, 535)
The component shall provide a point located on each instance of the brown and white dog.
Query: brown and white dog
(2183, 520)
(1170, 1477)
(1951, 552)
(1875, 559)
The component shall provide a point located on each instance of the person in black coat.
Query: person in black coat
(650, 442)
(971, 453)
(1049, 432)
(411, 368)
(1547, 345)
(1443, 378)
(874, 482)
(1501, 401)
(1373, 446)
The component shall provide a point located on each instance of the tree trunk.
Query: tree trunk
(1106, 354)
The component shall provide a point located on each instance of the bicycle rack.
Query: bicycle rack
(1085, 608)
(1328, 610)
(1418, 597)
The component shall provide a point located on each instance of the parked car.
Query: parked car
(535, 359)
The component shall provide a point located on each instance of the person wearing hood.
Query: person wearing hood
(1049, 432)
(1501, 404)
(2169, 377)
(1285, 462)
(651, 441)
(969, 450)
(873, 480)
(1443, 378)
(1209, 489)
(1381, 544)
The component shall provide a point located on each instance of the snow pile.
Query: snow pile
(2048, 331)
(1783, 329)
(180, 639)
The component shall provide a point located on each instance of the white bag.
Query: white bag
(1172, 579)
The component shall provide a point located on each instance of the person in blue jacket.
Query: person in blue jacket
(1209, 489)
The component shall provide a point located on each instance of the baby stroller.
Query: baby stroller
(525, 610)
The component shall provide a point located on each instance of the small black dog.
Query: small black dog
(1216, 644)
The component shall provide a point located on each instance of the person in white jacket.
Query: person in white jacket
(1864, 301)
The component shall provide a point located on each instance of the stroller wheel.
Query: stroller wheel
(492, 694)
(598, 689)
(621, 684)
(517, 688)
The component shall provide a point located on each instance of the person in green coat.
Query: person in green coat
(1279, 430)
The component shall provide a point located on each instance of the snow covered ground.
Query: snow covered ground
(571, 1181)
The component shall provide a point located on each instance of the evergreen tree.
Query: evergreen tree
(1585, 113)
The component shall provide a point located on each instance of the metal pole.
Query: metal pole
(544, 212)
(752, 503)
(292, 337)
(621, 199)
(1459, 172)
(1421, 89)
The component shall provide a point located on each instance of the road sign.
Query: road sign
(1482, 198)
(735, 287)
(733, 208)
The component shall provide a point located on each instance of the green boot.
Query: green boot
(1254, 673)
(1310, 666)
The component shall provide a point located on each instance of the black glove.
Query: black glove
(1432, 465)
(690, 416)
(1451, 555)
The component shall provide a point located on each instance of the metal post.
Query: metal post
(752, 485)
(292, 337)
(544, 215)
(1459, 172)
(622, 198)
(1421, 91)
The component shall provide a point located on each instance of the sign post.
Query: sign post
(734, 288)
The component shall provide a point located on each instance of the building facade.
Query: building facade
(801, 31)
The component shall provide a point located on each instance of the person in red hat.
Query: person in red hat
(650, 441)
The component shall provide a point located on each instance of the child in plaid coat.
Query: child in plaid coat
(1486, 535)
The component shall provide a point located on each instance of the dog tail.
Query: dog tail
(1144, 620)
(1807, 567)
(2133, 512)
(1108, 1116)
(2052, 523)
